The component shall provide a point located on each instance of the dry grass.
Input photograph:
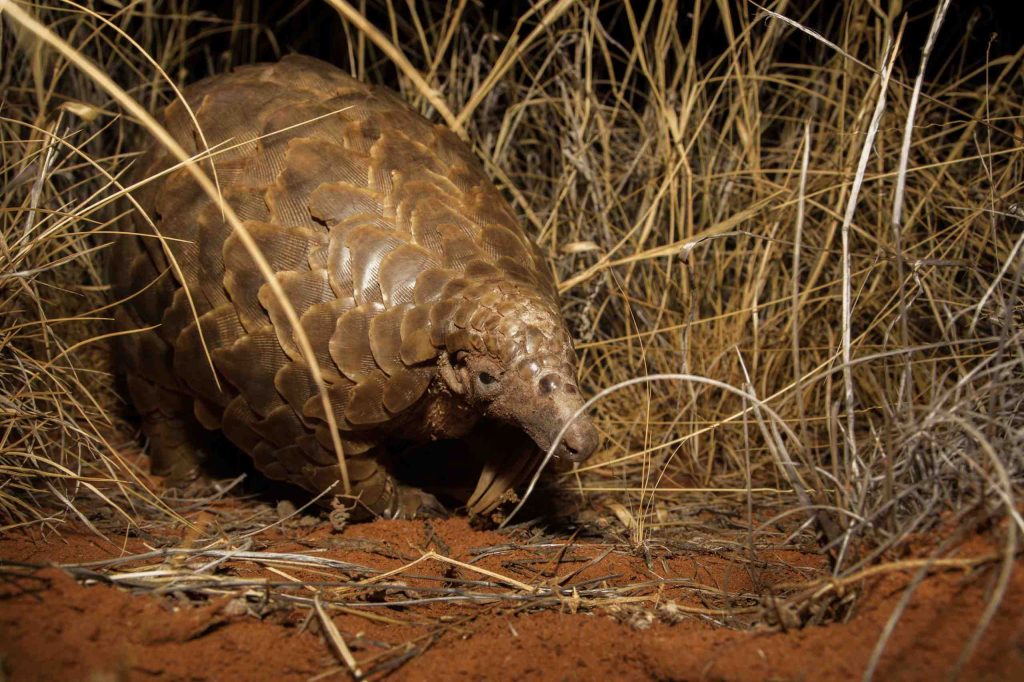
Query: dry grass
(790, 254)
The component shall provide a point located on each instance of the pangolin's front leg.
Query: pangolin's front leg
(176, 438)
(375, 492)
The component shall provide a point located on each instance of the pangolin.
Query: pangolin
(431, 314)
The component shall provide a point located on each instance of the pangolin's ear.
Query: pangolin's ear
(451, 376)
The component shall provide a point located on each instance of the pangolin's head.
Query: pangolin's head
(532, 393)
(516, 365)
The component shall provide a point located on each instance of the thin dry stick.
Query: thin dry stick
(898, 200)
(832, 584)
(443, 559)
(336, 639)
(850, 441)
(805, 162)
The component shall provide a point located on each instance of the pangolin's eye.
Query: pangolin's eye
(486, 379)
(550, 383)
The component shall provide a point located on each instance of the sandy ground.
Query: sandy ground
(54, 628)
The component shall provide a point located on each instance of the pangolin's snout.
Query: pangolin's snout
(580, 439)
(541, 403)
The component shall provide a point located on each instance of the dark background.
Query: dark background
(971, 30)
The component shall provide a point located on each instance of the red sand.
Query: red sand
(51, 627)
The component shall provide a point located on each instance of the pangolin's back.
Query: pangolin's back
(382, 228)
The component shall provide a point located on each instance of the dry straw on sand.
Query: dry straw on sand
(788, 244)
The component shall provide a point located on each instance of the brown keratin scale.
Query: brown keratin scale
(430, 313)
